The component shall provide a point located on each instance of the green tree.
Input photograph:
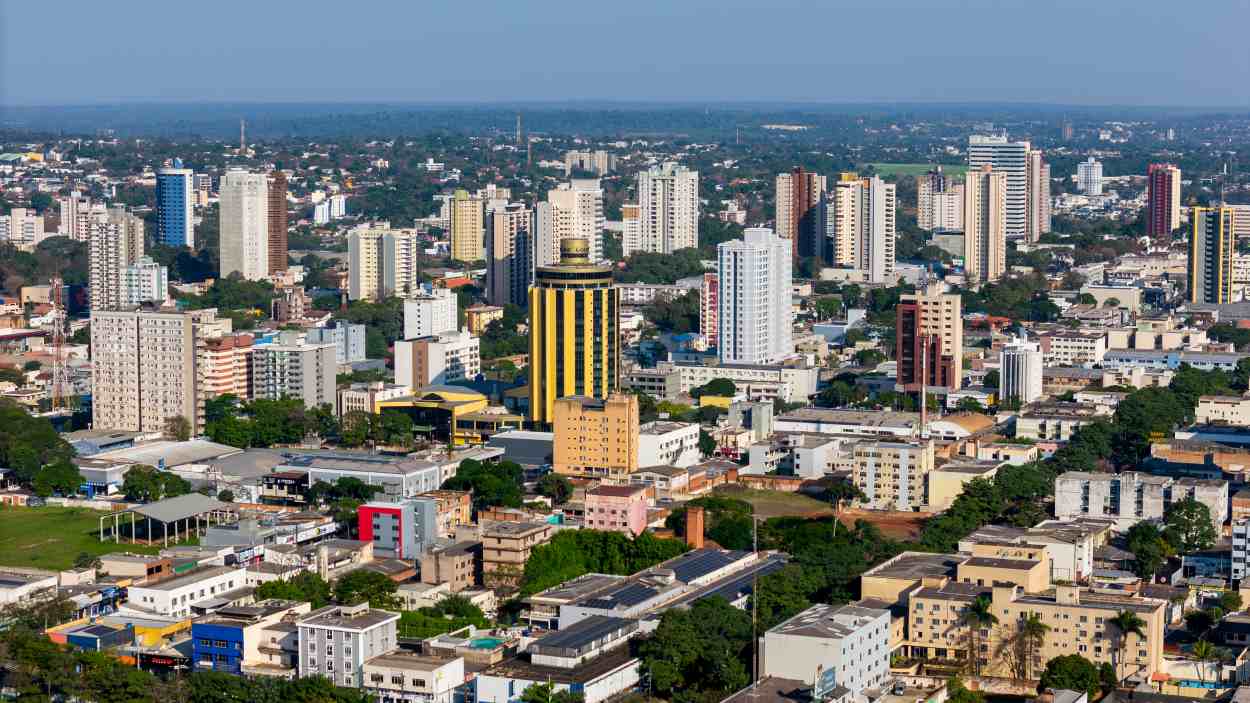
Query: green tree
(1187, 526)
(305, 586)
(225, 495)
(492, 484)
(1149, 548)
(1205, 652)
(991, 379)
(1022, 646)
(700, 652)
(546, 693)
(707, 444)
(1230, 601)
(1073, 672)
(978, 616)
(60, 477)
(720, 387)
(957, 692)
(363, 585)
(556, 487)
(1126, 624)
(178, 428)
(572, 553)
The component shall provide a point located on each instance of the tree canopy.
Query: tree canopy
(572, 553)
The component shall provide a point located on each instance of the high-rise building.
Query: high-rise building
(599, 162)
(631, 229)
(1011, 160)
(861, 226)
(288, 369)
(668, 208)
(709, 292)
(75, 212)
(277, 222)
(175, 205)
(438, 359)
(985, 227)
(596, 437)
(429, 312)
(224, 365)
(756, 312)
(1020, 372)
(929, 339)
(1089, 176)
(144, 281)
(939, 202)
(1163, 199)
(116, 242)
(509, 254)
(244, 203)
(1065, 131)
(143, 368)
(348, 340)
(1038, 201)
(382, 263)
(202, 183)
(468, 226)
(23, 228)
(574, 327)
(572, 210)
(1212, 247)
(799, 194)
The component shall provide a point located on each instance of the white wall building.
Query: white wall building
(115, 240)
(144, 281)
(663, 443)
(337, 640)
(848, 645)
(1020, 372)
(437, 359)
(574, 209)
(174, 597)
(668, 205)
(1011, 159)
(244, 204)
(431, 312)
(1089, 176)
(861, 227)
(348, 340)
(756, 313)
(22, 228)
(288, 369)
(382, 262)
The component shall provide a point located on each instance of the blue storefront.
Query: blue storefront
(217, 646)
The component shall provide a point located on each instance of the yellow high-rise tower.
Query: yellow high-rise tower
(574, 331)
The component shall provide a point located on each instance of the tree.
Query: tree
(978, 616)
(492, 484)
(1149, 548)
(556, 487)
(1230, 601)
(1200, 622)
(720, 387)
(969, 405)
(144, 484)
(1205, 652)
(1073, 672)
(1126, 624)
(225, 495)
(957, 692)
(1023, 644)
(85, 560)
(545, 693)
(363, 585)
(304, 586)
(868, 357)
(178, 427)
(60, 477)
(700, 652)
(1187, 526)
(707, 444)
(572, 553)
(991, 379)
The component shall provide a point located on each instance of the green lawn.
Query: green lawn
(915, 169)
(769, 504)
(50, 537)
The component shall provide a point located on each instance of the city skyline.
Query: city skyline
(365, 59)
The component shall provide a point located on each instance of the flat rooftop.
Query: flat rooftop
(347, 618)
(411, 662)
(853, 417)
(829, 621)
(513, 529)
(572, 590)
(192, 577)
(916, 565)
(999, 563)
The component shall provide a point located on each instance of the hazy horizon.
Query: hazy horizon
(1066, 53)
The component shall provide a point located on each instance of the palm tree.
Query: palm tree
(1205, 652)
(1033, 635)
(1126, 623)
(976, 617)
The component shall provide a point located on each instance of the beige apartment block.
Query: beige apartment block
(596, 438)
(893, 475)
(506, 546)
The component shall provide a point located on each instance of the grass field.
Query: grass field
(778, 503)
(50, 537)
(915, 169)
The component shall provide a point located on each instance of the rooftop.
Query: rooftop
(616, 491)
(192, 577)
(170, 453)
(584, 635)
(997, 563)
(916, 565)
(181, 507)
(853, 417)
(513, 529)
(975, 468)
(574, 589)
(355, 617)
(829, 621)
(410, 661)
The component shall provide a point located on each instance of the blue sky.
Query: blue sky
(1095, 52)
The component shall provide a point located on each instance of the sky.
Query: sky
(1089, 52)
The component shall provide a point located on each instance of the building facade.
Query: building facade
(1212, 247)
(668, 208)
(798, 197)
(929, 339)
(755, 315)
(1010, 159)
(595, 438)
(432, 311)
(337, 640)
(1020, 372)
(1163, 199)
(175, 206)
(1038, 202)
(985, 224)
(304, 371)
(276, 223)
(1089, 177)
(509, 254)
(382, 262)
(861, 227)
(115, 239)
(468, 227)
(572, 210)
(437, 360)
(244, 204)
(893, 475)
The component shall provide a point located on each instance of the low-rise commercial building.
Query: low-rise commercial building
(174, 597)
(506, 546)
(404, 677)
(1055, 421)
(402, 529)
(665, 443)
(947, 481)
(258, 639)
(1223, 410)
(590, 658)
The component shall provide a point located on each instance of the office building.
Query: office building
(287, 369)
(175, 206)
(831, 646)
(1089, 177)
(939, 202)
(175, 597)
(430, 312)
(668, 208)
(755, 315)
(348, 340)
(574, 327)
(861, 226)
(1038, 201)
(143, 369)
(382, 262)
(1163, 199)
(509, 254)
(400, 529)
(23, 228)
(115, 238)
(143, 281)
(799, 195)
(893, 475)
(277, 222)
(985, 224)
(468, 225)
(929, 337)
(572, 210)
(337, 640)
(437, 360)
(598, 162)
(709, 290)
(1010, 159)
(1212, 248)
(244, 203)
(1020, 373)
(595, 438)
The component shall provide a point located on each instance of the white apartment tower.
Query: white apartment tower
(144, 281)
(115, 239)
(861, 226)
(985, 229)
(668, 208)
(431, 312)
(1038, 201)
(244, 203)
(1011, 160)
(755, 315)
(22, 227)
(939, 202)
(289, 369)
(382, 263)
(75, 210)
(1020, 372)
(1089, 176)
(573, 210)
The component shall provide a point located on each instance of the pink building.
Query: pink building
(617, 509)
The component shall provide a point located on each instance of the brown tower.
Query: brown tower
(277, 222)
(694, 527)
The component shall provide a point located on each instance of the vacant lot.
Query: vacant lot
(50, 537)
(778, 503)
(900, 526)
(915, 169)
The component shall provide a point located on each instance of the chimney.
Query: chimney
(694, 527)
